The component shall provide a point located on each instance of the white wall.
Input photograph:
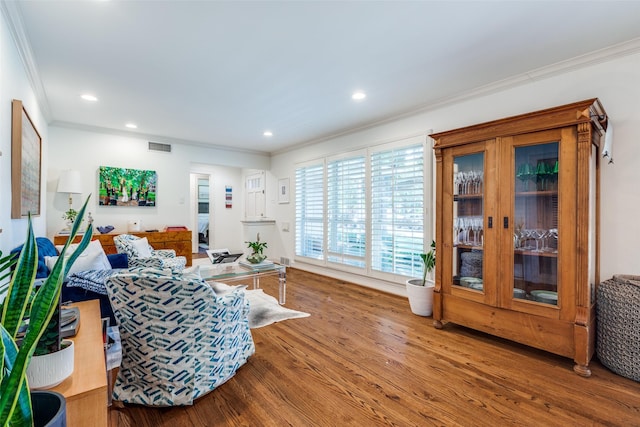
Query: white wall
(86, 151)
(14, 84)
(614, 82)
(225, 228)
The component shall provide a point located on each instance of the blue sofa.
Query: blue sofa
(72, 292)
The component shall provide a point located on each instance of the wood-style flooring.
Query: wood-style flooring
(362, 359)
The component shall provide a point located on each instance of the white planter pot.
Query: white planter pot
(51, 369)
(420, 297)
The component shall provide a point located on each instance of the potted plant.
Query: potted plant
(24, 301)
(420, 292)
(257, 256)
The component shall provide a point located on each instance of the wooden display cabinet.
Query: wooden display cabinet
(517, 225)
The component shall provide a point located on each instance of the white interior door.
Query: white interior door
(255, 196)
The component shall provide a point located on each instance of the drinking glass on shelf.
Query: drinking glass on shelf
(527, 234)
(479, 182)
(461, 182)
(526, 173)
(541, 173)
(553, 234)
(457, 229)
(554, 175)
(464, 225)
(538, 235)
(476, 226)
(457, 183)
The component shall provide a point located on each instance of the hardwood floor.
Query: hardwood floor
(362, 359)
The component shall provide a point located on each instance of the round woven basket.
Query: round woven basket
(618, 330)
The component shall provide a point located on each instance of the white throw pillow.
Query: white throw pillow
(84, 262)
(94, 249)
(141, 246)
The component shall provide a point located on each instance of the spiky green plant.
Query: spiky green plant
(23, 301)
(429, 261)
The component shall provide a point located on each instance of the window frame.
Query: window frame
(428, 217)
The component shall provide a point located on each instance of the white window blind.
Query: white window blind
(346, 211)
(310, 211)
(397, 210)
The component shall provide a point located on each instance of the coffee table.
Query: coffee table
(236, 272)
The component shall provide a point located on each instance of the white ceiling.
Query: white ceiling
(222, 72)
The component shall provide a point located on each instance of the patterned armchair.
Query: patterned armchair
(180, 340)
(141, 254)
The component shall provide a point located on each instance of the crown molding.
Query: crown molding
(627, 48)
(13, 17)
(154, 138)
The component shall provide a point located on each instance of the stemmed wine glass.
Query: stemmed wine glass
(476, 226)
(457, 182)
(526, 173)
(541, 173)
(522, 175)
(554, 174)
(457, 230)
(538, 235)
(553, 233)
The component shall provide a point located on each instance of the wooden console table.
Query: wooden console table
(86, 389)
(180, 241)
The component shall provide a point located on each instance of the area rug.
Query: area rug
(263, 309)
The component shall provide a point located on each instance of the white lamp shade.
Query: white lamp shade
(70, 182)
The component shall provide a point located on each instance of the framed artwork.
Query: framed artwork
(127, 187)
(283, 190)
(26, 162)
(228, 197)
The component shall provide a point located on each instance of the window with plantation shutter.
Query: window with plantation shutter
(310, 211)
(397, 210)
(364, 211)
(346, 211)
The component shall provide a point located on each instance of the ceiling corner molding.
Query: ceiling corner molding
(13, 17)
(156, 138)
(627, 48)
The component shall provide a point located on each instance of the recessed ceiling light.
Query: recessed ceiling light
(358, 96)
(132, 126)
(267, 133)
(89, 97)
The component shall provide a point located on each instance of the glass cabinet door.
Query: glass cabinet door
(535, 227)
(468, 221)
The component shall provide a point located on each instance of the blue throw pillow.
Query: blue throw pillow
(45, 248)
(118, 260)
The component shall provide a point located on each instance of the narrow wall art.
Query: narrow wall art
(228, 197)
(26, 158)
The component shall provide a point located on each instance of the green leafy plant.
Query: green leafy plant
(257, 246)
(429, 261)
(24, 301)
(70, 215)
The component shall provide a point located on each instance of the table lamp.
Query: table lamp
(71, 183)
